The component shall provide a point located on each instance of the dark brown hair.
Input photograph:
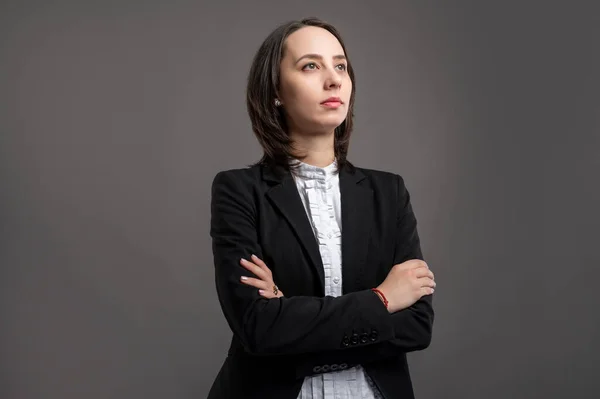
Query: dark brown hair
(268, 120)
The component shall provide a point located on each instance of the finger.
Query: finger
(254, 282)
(255, 269)
(413, 264)
(266, 294)
(424, 272)
(426, 282)
(260, 264)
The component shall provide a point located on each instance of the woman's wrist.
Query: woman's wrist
(381, 296)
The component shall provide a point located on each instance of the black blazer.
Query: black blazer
(278, 342)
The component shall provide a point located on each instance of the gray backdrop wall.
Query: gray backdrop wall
(115, 117)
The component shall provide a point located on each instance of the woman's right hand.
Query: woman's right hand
(406, 283)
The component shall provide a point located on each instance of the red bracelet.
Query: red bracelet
(382, 297)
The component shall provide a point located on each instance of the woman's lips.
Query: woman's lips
(331, 104)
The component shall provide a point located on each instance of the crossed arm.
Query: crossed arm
(314, 329)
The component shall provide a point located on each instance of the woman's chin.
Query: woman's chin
(328, 124)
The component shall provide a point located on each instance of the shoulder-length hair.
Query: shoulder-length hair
(268, 120)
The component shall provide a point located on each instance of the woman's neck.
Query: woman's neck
(318, 150)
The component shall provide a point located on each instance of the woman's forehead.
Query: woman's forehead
(313, 40)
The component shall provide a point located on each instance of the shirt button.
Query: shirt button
(336, 280)
(329, 235)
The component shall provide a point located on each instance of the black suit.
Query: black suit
(278, 342)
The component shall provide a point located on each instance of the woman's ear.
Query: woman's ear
(278, 102)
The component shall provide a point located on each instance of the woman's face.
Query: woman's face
(314, 69)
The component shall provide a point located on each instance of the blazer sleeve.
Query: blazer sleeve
(412, 326)
(280, 326)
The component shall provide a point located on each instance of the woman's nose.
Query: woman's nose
(334, 80)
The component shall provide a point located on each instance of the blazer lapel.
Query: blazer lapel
(286, 198)
(357, 219)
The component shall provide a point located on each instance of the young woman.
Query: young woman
(339, 240)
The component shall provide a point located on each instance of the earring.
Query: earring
(277, 102)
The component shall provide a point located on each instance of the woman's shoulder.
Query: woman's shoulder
(236, 186)
(381, 177)
(387, 185)
(244, 179)
(248, 172)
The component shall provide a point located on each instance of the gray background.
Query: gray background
(115, 117)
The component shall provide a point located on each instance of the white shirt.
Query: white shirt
(319, 189)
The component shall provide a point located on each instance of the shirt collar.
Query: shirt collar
(306, 171)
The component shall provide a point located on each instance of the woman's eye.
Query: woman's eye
(312, 66)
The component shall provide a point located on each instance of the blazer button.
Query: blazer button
(343, 366)
(364, 338)
(346, 342)
(354, 339)
(374, 335)
(325, 368)
(317, 369)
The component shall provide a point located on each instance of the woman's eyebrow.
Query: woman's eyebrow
(320, 57)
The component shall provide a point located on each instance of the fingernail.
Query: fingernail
(253, 256)
(261, 292)
(244, 278)
(243, 260)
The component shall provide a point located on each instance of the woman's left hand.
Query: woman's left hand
(265, 284)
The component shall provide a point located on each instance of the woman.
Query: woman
(340, 241)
